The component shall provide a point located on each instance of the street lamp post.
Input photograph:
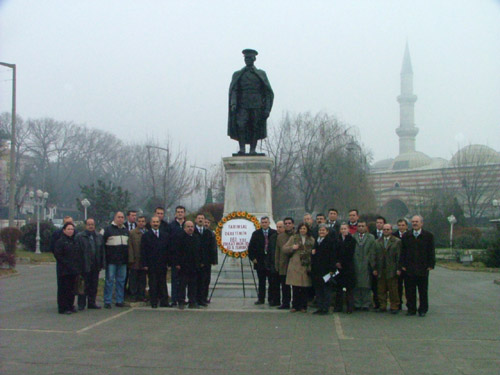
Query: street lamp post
(452, 220)
(12, 169)
(38, 200)
(206, 183)
(86, 204)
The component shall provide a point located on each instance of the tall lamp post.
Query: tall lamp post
(206, 184)
(86, 204)
(39, 200)
(452, 220)
(12, 169)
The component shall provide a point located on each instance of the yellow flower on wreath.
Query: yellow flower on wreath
(236, 254)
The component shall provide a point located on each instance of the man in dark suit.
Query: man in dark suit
(402, 229)
(160, 213)
(333, 223)
(377, 233)
(155, 255)
(176, 229)
(208, 248)
(418, 257)
(187, 262)
(257, 252)
(131, 223)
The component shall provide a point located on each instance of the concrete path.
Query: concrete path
(460, 335)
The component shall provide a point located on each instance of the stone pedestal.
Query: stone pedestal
(248, 188)
(248, 185)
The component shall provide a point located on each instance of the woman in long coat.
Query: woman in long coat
(299, 248)
(345, 264)
(68, 268)
(322, 263)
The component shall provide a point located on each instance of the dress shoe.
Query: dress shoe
(81, 308)
(154, 306)
(411, 313)
(274, 304)
(348, 312)
(73, 310)
(95, 307)
(318, 312)
(180, 306)
(107, 305)
(394, 312)
(303, 311)
(259, 302)
(193, 306)
(284, 307)
(324, 312)
(174, 304)
(68, 312)
(119, 304)
(380, 310)
(422, 314)
(203, 304)
(293, 310)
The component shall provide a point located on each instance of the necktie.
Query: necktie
(157, 233)
(379, 233)
(415, 233)
(266, 241)
(386, 241)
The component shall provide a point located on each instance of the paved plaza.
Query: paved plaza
(460, 335)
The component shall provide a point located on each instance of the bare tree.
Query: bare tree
(476, 172)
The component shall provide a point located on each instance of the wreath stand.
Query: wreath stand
(242, 276)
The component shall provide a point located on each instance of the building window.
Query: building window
(397, 185)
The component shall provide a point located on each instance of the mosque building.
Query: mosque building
(405, 184)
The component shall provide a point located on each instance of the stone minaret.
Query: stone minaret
(407, 129)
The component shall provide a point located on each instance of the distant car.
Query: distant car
(58, 223)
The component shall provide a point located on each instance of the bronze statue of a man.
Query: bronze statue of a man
(250, 102)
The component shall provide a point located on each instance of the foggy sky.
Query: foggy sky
(143, 69)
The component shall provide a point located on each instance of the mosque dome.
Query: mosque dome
(382, 165)
(411, 160)
(475, 155)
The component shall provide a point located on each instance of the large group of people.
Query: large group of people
(297, 266)
(135, 253)
(366, 271)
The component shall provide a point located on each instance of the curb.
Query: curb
(16, 273)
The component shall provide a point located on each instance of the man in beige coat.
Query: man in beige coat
(281, 262)
(387, 269)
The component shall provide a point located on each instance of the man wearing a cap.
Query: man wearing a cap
(250, 102)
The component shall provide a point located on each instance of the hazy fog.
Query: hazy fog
(152, 68)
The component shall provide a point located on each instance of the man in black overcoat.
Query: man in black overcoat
(208, 249)
(258, 249)
(418, 257)
(187, 262)
(155, 256)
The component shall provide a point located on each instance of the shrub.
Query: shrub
(9, 236)
(469, 238)
(214, 210)
(6, 258)
(491, 257)
(28, 238)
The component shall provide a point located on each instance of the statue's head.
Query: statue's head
(249, 56)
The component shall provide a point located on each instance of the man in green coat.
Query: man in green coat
(387, 269)
(364, 258)
(250, 102)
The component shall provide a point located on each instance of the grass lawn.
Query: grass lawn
(474, 267)
(7, 272)
(35, 258)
